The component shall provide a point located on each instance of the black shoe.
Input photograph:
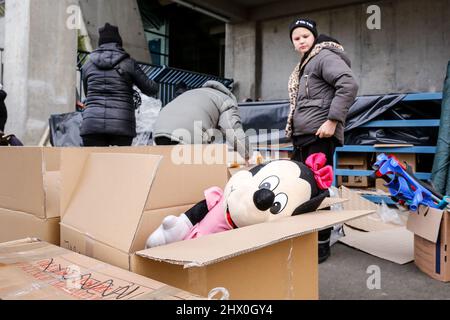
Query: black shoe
(324, 250)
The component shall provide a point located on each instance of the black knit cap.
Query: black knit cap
(303, 23)
(108, 34)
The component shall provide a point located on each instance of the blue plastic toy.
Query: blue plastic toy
(404, 187)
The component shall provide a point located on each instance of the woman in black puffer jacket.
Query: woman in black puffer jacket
(108, 79)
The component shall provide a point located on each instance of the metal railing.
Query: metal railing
(167, 78)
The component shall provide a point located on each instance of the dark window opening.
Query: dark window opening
(182, 38)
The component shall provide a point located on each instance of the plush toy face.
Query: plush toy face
(273, 192)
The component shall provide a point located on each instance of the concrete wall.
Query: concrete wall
(40, 59)
(409, 53)
(40, 56)
(240, 55)
(122, 13)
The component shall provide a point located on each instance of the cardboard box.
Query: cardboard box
(29, 193)
(113, 198)
(410, 158)
(274, 151)
(35, 270)
(287, 250)
(353, 161)
(98, 222)
(431, 229)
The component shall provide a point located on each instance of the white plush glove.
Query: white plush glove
(171, 230)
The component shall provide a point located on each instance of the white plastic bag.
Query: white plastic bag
(389, 215)
(146, 116)
(338, 230)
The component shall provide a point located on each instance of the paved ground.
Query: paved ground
(343, 277)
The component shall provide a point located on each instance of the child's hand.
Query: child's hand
(327, 129)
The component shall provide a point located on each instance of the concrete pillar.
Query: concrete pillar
(40, 60)
(241, 58)
(2, 46)
(2, 32)
(122, 13)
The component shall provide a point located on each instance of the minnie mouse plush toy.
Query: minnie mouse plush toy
(267, 192)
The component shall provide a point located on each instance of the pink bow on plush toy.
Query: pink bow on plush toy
(323, 174)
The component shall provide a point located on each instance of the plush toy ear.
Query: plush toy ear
(256, 169)
(312, 204)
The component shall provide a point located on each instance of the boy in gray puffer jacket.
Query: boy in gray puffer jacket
(189, 118)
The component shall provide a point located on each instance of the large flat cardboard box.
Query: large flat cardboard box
(35, 270)
(370, 234)
(353, 161)
(29, 193)
(113, 198)
(118, 199)
(431, 229)
(276, 260)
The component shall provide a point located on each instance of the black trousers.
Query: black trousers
(2, 124)
(3, 111)
(301, 153)
(3, 116)
(164, 141)
(106, 140)
(326, 146)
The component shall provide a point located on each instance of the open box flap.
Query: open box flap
(425, 222)
(109, 199)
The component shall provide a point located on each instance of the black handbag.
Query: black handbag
(9, 140)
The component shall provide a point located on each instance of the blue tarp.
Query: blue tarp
(273, 115)
(441, 165)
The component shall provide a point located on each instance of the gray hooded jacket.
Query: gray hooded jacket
(326, 90)
(202, 116)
